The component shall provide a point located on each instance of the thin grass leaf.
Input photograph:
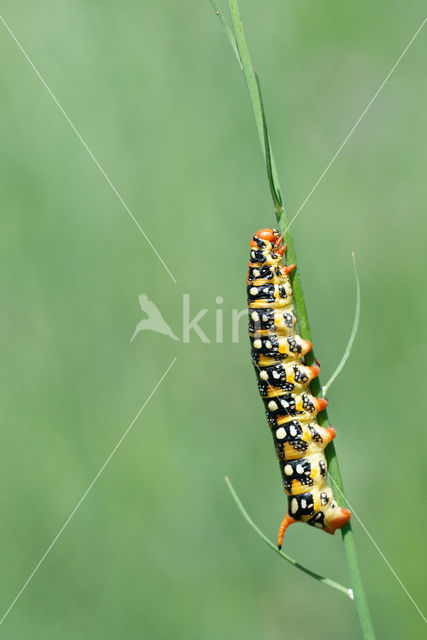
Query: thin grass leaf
(352, 335)
(228, 31)
(255, 98)
(301, 311)
(297, 565)
(274, 188)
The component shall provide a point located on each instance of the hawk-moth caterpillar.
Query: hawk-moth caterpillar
(284, 384)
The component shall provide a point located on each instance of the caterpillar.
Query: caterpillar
(283, 382)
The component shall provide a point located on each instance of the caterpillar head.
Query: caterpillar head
(268, 241)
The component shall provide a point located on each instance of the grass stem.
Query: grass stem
(352, 335)
(360, 599)
(327, 581)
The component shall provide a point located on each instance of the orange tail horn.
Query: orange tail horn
(287, 520)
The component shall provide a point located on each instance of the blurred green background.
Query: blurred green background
(158, 549)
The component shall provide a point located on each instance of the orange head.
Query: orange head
(268, 235)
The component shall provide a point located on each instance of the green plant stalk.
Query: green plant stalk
(352, 334)
(326, 581)
(360, 599)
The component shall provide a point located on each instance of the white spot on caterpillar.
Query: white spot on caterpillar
(284, 404)
(319, 525)
(263, 375)
(294, 505)
(280, 433)
(256, 273)
(252, 254)
(293, 431)
(253, 291)
(276, 374)
(268, 344)
(264, 317)
(255, 316)
(272, 405)
(257, 344)
(299, 469)
(288, 470)
(303, 503)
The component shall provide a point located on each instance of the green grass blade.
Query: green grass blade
(297, 565)
(274, 188)
(255, 98)
(228, 30)
(303, 323)
(352, 335)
